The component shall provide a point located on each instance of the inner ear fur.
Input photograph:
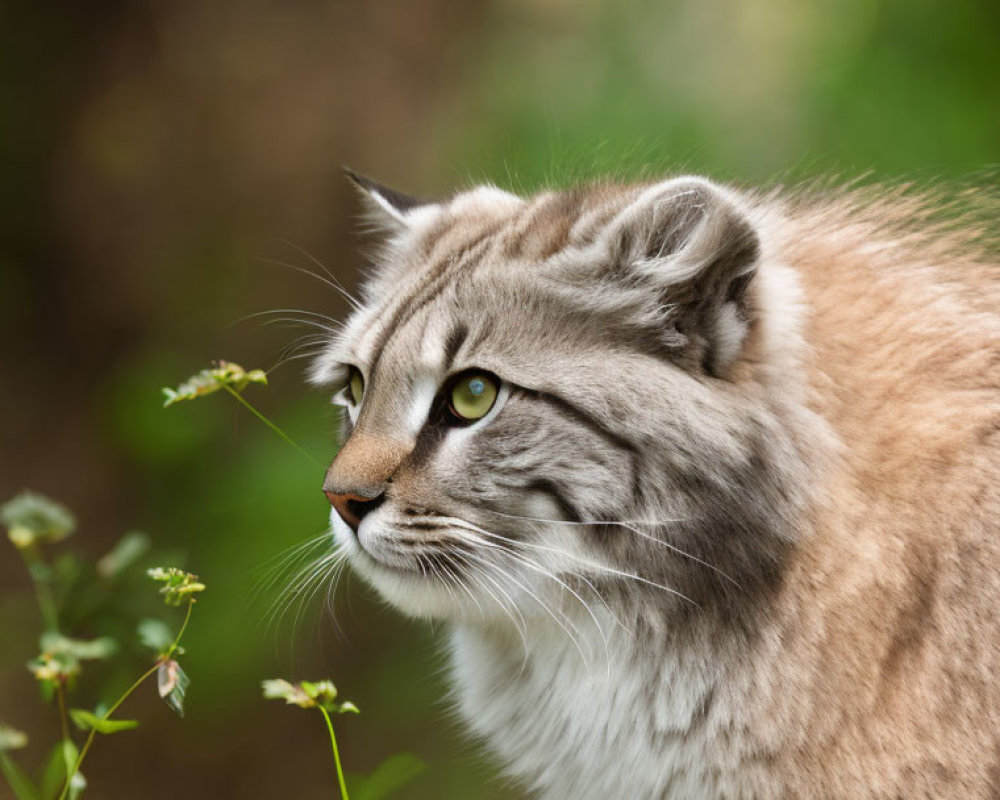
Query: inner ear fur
(688, 241)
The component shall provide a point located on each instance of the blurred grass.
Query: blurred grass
(151, 153)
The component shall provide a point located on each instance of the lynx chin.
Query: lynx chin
(704, 482)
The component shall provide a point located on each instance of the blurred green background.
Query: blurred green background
(156, 158)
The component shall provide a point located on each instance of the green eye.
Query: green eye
(356, 387)
(473, 396)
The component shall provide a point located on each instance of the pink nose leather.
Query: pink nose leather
(342, 503)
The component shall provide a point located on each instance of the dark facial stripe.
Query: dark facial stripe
(543, 228)
(456, 338)
(428, 441)
(420, 526)
(437, 278)
(582, 417)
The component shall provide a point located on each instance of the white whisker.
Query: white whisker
(567, 626)
(593, 565)
(333, 283)
(628, 525)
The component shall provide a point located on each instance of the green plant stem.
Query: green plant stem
(107, 714)
(336, 753)
(63, 718)
(246, 403)
(180, 633)
(64, 721)
(46, 602)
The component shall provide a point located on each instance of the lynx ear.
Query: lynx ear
(388, 208)
(688, 239)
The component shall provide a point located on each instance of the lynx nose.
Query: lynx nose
(353, 507)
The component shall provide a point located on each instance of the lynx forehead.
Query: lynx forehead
(701, 480)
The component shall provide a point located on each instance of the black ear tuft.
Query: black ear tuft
(395, 199)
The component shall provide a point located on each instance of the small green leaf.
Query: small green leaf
(347, 707)
(61, 759)
(11, 738)
(306, 694)
(178, 585)
(172, 683)
(86, 720)
(224, 373)
(55, 644)
(155, 634)
(293, 694)
(18, 780)
(387, 777)
(130, 548)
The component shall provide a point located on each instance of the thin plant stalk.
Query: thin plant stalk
(336, 753)
(46, 602)
(252, 409)
(64, 721)
(107, 714)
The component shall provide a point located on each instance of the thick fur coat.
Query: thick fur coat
(731, 527)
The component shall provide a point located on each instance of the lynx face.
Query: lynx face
(545, 404)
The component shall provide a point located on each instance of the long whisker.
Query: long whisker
(331, 593)
(628, 525)
(567, 626)
(323, 267)
(305, 582)
(592, 564)
(323, 576)
(538, 568)
(300, 343)
(527, 562)
(304, 313)
(308, 323)
(542, 571)
(294, 590)
(508, 610)
(333, 284)
(310, 354)
(273, 568)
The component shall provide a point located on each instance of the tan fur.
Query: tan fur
(368, 461)
(881, 657)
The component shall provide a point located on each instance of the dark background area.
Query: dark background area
(158, 158)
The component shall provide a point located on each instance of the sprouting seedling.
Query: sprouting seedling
(178, 588)
(178, 585)
(232, 378)
(225, 374)
(321, 695)
(33, 523)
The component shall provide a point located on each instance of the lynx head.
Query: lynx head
(558, 397)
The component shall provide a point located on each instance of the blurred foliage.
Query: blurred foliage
(162, 161)
(66, 587)
(750, 91)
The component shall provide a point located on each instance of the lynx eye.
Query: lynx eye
(356, 386)
(472, 396)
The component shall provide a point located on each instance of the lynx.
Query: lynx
(702, 481)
